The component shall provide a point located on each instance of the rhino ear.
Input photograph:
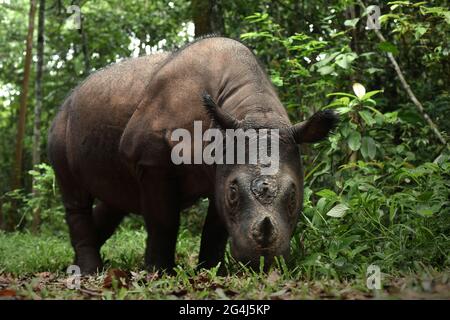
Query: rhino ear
(218, 115)
(315, 128)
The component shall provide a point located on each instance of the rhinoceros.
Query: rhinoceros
(110, 144)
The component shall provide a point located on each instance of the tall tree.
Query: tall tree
(84, 45)
(39, 74)
(207, 16)
(17, 170)
(38, 105)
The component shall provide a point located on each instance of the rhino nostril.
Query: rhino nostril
(264, 232)
(266, 226)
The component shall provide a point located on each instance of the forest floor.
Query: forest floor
(33, 267)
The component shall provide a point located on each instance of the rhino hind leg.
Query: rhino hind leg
(78, 205)
(84, 240)
(83, 236)
(106, 220)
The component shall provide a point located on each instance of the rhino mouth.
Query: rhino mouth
(255, 256)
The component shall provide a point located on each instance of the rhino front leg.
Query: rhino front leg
(161, 212)
(214, 239)
(106, 221)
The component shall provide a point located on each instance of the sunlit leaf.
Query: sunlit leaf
(351, 22)
(327, 194)
(325, 70)
(359, 90)
(370, 94)
(338, 211)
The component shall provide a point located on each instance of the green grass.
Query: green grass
(33, 267)
(25, 253)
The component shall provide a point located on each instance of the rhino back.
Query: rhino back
(87, 130)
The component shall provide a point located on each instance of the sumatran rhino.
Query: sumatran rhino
(111, 143)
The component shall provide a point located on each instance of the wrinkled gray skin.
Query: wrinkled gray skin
(111, 143)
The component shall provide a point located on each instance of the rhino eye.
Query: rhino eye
(233, 194)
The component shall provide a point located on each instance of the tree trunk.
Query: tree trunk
(84, 41)
(39, 72)
(84, 48)
(17, 170)
(38, 106)
(207, 16)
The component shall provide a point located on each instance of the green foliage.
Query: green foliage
(44, 199)
(390, 214)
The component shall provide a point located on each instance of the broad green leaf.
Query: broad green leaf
(345, 130)
(388, 47)
(447, 16)
(338, 211)
(344, 101)
(327, 194)
(344, 60)
(370, 94)
(351, 22)
(367, 117)
(386, 17)
(343, 110)
(379, 118)
(420, 31)
(354, 140)
(391, 117)
(325, 70)
(368, 148)
(276, 80)
(374, 70)
(370, 102)
(327, 59)
(321, 204)
(425, 212)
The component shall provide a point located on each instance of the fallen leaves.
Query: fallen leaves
(117, 283)
(116, 278)
(179, 293)
(5, 280)
(7, 293)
